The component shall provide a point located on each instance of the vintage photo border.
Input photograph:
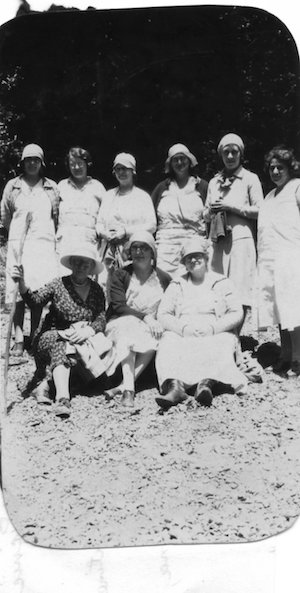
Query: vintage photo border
(234, 568)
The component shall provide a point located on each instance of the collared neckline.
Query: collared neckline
(239, 173)
(71, 182)
(18, 182)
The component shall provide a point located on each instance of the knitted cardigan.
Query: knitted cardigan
(119, 285)
(201, 187)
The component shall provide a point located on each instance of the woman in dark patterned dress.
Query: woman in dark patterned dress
(76, 313)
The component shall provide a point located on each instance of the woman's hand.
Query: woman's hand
(189, 331)
(154, 325)
(201, 329)
(80, 335)
(219, 206)
(17, 273)
(116, 234)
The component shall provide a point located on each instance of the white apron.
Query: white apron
(278, 258)
(39, 258)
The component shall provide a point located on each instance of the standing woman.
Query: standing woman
(233, 200)
(279, 255)
(81, 198)
(30, 192)
(178, 201)
(125, 210)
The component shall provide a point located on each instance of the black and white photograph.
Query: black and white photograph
(149, 275)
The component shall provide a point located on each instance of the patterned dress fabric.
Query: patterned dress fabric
(66, 308)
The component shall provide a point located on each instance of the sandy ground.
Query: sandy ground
(112, 477)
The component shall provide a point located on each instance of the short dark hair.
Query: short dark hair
(81, 153)
(284, 155)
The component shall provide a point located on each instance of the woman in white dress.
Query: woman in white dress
(199, 313)
(178, 202)
(125, 209)
(81, 196)
(135, 294)
(234, 197)
(279, 256)
(30, 192)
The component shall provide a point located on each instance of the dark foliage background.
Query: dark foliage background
(139, 80)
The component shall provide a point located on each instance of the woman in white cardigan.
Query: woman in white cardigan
(199, 313)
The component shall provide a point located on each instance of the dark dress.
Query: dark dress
(66, 307)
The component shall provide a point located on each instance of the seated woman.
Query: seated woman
(199, 313)
(77, 312)
(135, 294)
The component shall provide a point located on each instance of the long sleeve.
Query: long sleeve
(166, 314)
(55, 201)
(233, 314)
(297, 195)
(157, 193)
(104, 215)
(209, 199)
(242, 198)
(118, 306)
(255, 195)
(41, 296)
(100, 195)
(202, 187)
(147, 220)
(6, 206)
(99, 323)
(133, 211)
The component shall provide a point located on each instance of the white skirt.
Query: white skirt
(193, 359)
(128, 334)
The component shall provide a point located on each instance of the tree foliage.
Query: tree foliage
(140, 80)
(10, 145)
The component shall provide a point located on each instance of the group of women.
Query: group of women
(126, 275)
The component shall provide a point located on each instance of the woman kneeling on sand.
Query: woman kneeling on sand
(199, 313)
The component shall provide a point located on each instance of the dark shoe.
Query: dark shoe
(282, 366)
(127, 399)
(111, 393)
(295, 367)
(174, 394)
(62, 408)
(217, 387)
(203, 393)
